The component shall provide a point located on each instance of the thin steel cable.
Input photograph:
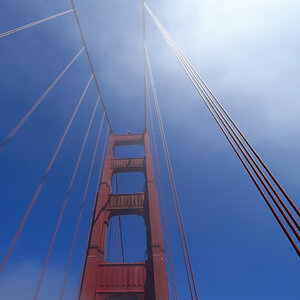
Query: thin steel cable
(114, 241)
(273, 211)
(240, 143)
(176, 213)
(170, 170)
(245, 152)
(43, 180)
(161, 196)
(120, 225)
(289, 237)
(121, 239)
(181, 56)
(108, 254)
(151, 129)
(247, 141)
(235, 138)
(65, 201)
(116, 244)
(81, 209)
(112, 223)
(248, 170)
(94, 207)
(38, 102)
(108, 243)
(90, 62)
(257, 185)
(144, 56)
(4, 34)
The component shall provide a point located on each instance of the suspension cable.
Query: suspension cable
(239, 142)
(248, 156)
(43, 180)
(90, 62)
(208, 94)
(114, 241)
(179, 54)
(34, 23)
(109, 240)
(239, 130)
(214, 109)
(205, 89)
(38, 102)
(256, 183)
(162, 198)
(81, 209)
(268, 203)
(172, 183)
(65, 201)
(120, 224)
(164, 216)
(144, 55)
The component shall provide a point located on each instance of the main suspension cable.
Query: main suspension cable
(81, 209)
(43, 180)
(9, 32)
(38, 102)
(90, 62)
(65, 201)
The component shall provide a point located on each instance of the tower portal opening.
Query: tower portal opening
(133, 237)
(126, 183)
(132, 151)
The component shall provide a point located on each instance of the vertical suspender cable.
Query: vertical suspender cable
(146, 96)
(161, 196)
(172, 181)
(115, 239)
(120, 225)
(109, 240)
(43, 180)
(121, 238)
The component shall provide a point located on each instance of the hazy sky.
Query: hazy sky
(247, 52)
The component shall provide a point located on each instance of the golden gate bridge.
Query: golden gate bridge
(154, 277)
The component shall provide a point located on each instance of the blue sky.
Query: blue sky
(248, 53)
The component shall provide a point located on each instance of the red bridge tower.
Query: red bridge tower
(142, 280)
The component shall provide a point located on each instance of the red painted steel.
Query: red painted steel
(129, 204)
(142, 280)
